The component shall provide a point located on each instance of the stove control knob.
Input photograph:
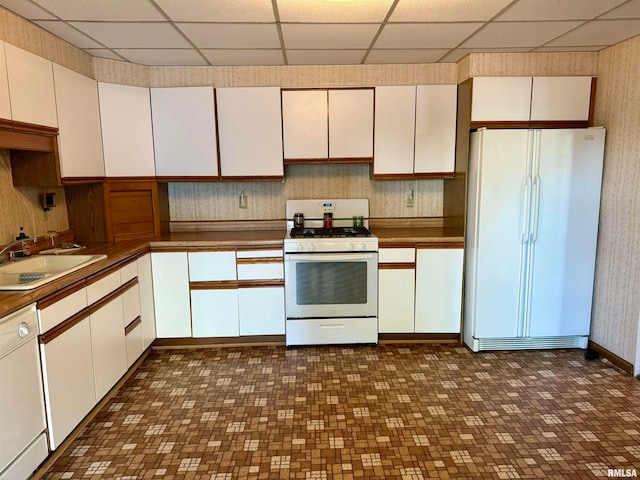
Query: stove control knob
(363, 247)
(350, 247)
(299, 247)
(312, 247)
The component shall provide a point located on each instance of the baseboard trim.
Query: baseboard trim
(244, 341)
(612, 357)
(57, 453)
(390, 338)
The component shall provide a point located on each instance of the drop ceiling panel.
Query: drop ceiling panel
(459, 53)
(447, 10)
(599, 32)
(103, 10)
(630, 9)
(418, 55)
(68, 33)
(104, 53)
(429, 35)
(332, 11)
(244, 57)
(518, 34)
(221, 35)
(218, 10)
(325, 57)
(328, 36)
(558, 10)
(133, 35)
(160, 56)
(27, 10)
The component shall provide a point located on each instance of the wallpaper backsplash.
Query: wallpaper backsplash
(21, 207)
(266, 200)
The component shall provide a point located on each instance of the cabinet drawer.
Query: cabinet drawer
(261, 271)
(57, 313)
(259, 253)
(133, 340)
(131, 304)
(128, 272)
(397, 255)
(332, 331)
(212, 266)
(102, 287)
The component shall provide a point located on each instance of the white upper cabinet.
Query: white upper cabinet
(436, 111)
(560, 98)
(395, 125)
(250, 129)
(524, 99)
(326, 125)
(80, 140)
(415, 131)
(184, 132)
(5, 103)
(305, 124)
(125, 113)
(351, 123)
(501, 99)
(31, 88)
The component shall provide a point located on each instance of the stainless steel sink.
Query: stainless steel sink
(38, 270)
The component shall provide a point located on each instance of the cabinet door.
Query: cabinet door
(147, 311)
(351, 123)
(305, 124)
(436, 111)
(438, 290)
(125, 113)
(184, 132)
(250, 129)
(395, 122)
(261, 310)
(67, 365)
(396, 299)
(32, 95)
(501, 99)
(108, 346)
(560, 98)
(80, 140)
(171, 294)
(215, 313)
(5, 103)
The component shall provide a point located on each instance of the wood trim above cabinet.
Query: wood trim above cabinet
(168, 178)
(327, 161)
(260, 283)
(214, 285)
(499, 124)
(424, 246)
(60, 294)
(396, 266)
(70, 181)
(263, 178)
(256, 260)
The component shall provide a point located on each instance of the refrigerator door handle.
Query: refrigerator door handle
(527, 209)
(536, 208)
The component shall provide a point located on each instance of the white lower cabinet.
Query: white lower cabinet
(396, 290)
(108, 346)
(439, 290)
(171, 294)
(147, 309)
(261, 311)
(67, 368)
(215, 312)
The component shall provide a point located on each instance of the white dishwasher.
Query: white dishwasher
(23, 443)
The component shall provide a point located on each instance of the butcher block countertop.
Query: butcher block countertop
(269, 234)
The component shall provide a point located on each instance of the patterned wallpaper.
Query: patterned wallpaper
(21, 207)
(266, 200)
(616, 304)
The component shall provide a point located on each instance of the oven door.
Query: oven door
(331, 285)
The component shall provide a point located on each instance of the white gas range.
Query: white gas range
(331, 273)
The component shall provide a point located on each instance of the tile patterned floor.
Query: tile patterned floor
(395, 412)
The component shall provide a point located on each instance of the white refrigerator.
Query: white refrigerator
(532, 228)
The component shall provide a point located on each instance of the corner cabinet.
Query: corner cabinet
(250, 133)
(184, 133)
(415, 132)
(125, 114)
(328, 125)
(80, 141)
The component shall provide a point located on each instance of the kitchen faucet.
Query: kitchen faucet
(12, 253)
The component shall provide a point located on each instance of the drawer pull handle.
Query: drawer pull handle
(333, 325)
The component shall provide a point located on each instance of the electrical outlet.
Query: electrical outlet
(410, 198)
(243, 200)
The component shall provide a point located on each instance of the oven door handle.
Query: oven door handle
(333, 257)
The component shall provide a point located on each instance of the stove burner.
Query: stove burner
(335, 232)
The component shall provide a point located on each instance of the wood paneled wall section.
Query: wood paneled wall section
(616, 303)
